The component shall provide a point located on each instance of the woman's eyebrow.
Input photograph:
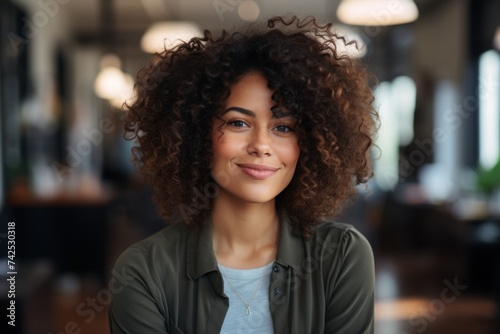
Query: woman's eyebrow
(240, 110)
(252, 114)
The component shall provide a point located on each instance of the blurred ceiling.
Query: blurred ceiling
(94, 21)
(136, 15)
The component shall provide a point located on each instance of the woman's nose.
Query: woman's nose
(260, 143)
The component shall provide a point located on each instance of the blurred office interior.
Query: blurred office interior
(431, 213)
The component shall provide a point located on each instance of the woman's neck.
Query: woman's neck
(244, 234)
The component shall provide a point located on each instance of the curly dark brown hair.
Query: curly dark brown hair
(184, 89)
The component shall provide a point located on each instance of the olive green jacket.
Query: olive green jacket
(170, 283)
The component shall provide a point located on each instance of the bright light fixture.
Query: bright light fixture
(377, 12)
(163, 35)
(125, 93)
(108, 83)
(112, 83)
(249, 10)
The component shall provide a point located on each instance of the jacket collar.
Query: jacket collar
(200, 251)
(291, 246)
(201, 257)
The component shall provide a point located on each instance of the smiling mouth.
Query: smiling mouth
(259, 172)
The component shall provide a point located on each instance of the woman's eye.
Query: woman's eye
(283, 128)
(237, 123)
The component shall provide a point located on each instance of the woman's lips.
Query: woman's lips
(256, 171)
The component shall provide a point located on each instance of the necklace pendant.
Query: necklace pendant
(248, 310)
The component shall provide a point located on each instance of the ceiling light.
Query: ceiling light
(111, 83)
(249, 10)
(163, 35)
(108, 83)
(125, 94)
(377, 12)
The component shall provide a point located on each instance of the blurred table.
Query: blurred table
(484, 257)
(70, 229)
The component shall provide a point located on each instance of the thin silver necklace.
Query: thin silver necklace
(248, 310)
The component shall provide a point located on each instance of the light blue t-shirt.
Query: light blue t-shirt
(246, 281)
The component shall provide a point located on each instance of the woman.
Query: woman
(250, 140)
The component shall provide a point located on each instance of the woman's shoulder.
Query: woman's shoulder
(340, 236)
(160, 246)
(328, 227)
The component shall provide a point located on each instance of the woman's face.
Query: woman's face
(255, 152)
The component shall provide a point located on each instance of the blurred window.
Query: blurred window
(395, 102)
(489, 108)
